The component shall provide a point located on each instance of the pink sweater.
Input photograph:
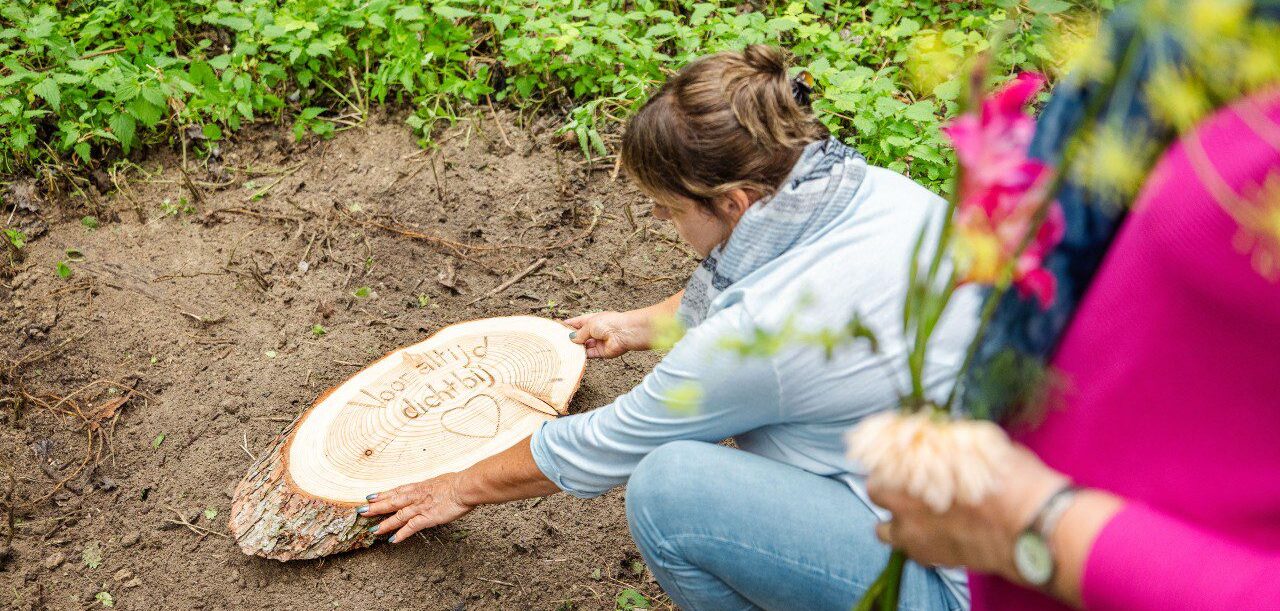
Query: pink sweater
(1172, 368)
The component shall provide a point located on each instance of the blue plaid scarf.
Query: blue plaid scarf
(821, 184)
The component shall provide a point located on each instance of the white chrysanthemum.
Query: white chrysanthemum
(933, 458)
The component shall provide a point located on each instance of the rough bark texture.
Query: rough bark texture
(271, 519)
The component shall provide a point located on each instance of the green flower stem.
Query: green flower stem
(883, 593)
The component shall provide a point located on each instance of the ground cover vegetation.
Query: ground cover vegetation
(84, 84)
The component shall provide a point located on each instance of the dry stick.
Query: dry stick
(254, 213)
(197, 195)
(501, 131)
(535, 266)
(199, 530)
(102, 52)
(263, 191)
(439, 189)
(497, 581)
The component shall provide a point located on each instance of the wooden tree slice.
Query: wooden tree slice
(468, 392)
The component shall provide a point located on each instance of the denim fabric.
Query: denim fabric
(721, 528)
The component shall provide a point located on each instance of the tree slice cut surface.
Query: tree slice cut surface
(468, 392)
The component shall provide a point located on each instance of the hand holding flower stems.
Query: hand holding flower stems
(999, 225)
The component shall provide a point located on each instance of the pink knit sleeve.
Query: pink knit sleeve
(1145, 559)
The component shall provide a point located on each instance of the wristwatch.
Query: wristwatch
(1031, 554)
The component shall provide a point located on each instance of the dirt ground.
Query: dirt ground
(196, 304)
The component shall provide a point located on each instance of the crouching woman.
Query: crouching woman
(799, 235)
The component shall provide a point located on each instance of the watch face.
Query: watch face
(1033, 560)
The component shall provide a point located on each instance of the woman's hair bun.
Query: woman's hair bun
(766, 59)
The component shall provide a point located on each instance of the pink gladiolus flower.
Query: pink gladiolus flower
(999, 192)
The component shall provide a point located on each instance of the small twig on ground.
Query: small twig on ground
(533, 267)
(498, 122)
(253, 213)
(498, 581)
(436, 176)
(102, 52)
(244, 445)
(197, 196)
(199, 530)
(263, 191)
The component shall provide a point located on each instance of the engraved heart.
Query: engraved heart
(480, 417)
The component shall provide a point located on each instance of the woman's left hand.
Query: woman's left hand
(417, 506)
(980, 537)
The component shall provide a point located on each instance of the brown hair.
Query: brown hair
(726, 121)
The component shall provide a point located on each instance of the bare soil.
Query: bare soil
(186, 337)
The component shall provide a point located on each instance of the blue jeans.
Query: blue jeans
(725, 529)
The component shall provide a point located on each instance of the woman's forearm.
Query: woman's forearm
(665, 308)
(1073, 538)
(644, 318)
(507, 476)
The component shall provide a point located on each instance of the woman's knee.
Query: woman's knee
(665, 482)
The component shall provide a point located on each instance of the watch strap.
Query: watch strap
(1051, 511)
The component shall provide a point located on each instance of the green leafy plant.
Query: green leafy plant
(318, 330)
(82, 84)
(91, 555)
(169, 208)
(62, 270)
(631, 598)
(16, 238)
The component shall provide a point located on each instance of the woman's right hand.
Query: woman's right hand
(609, 334)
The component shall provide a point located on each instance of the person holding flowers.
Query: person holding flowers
(1144, 476)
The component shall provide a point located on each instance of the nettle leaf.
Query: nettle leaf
(409, 13)
(146, 112)
(500, 22)
(155, 95)
(921, 111)
(124, 127)
(48, 90)
(239, 24)
(451, 12)
(948, 91)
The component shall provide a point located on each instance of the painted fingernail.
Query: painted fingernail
(371, 497)
(573, 334)
(391, 539)
(362, 509)
(373, 529)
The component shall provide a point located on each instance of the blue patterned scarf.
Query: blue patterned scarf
(821, 184)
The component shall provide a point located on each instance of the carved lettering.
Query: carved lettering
(443, 375)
